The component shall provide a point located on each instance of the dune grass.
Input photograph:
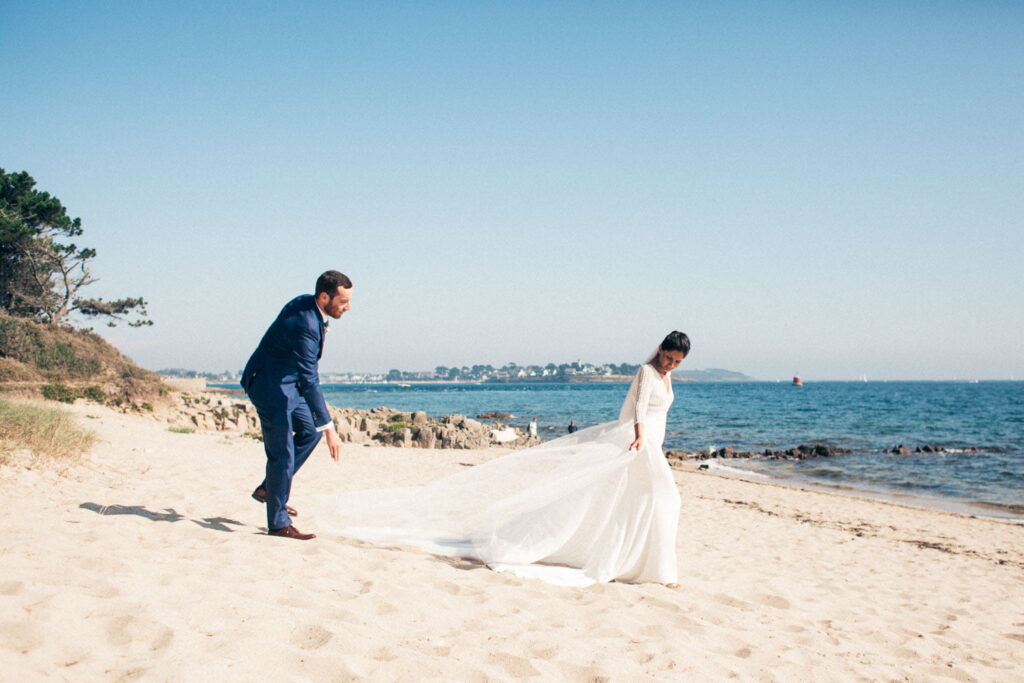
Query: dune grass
(49, 433)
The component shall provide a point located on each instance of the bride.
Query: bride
(597, 505)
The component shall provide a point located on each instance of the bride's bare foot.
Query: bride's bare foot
(672, 586)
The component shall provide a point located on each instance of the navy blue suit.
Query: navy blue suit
(283, 382)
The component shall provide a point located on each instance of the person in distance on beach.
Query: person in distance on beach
(282, 380)
(600, 504)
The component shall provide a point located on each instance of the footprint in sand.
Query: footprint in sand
(119, 629)
(311, 637)
(730, 601)
(776, 601)
(19, 636)
(438, 648)
(11, 587)
(383, 608)
(653, 630)
(517, 667)
(385, 655)
(125, 629)
(949, 672)
(162, 639)
(542, 650)
(103, 590)
(295, 600)
(344, 616)
(574, 672)
(661, 604)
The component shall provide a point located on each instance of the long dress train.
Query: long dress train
(576, 510)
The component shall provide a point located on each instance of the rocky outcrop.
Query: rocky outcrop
(212, 412)
(928, 449)
(405, 430)
(802, 452)
(808, 451)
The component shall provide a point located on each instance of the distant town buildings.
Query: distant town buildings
(225, 377)
(514, 372)
(475, 373)
(511, 372)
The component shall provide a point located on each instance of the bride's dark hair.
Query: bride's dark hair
(676, 341)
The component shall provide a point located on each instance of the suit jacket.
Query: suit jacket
(286, 360)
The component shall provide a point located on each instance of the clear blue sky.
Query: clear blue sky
(829, 188)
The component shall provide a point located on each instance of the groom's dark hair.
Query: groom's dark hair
(330, 281)
(676, 341)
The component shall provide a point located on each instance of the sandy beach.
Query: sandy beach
(148, 560)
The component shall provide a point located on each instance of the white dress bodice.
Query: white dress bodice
(648, 400)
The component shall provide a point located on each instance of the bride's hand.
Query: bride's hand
(637, 444)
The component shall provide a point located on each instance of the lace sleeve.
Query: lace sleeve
(644, 387)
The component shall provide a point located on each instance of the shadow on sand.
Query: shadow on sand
(167, 515)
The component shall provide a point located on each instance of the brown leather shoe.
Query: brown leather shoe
(291, 532)
(260, 496)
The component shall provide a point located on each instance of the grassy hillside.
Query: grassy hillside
(64, 363)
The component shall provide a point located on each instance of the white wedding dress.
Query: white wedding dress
(573, 511)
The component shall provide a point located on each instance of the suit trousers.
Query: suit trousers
(289, 436)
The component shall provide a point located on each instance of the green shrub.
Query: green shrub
(94, 393)
(60, 392)
(397, 426)
(181, 430)
(61, 357)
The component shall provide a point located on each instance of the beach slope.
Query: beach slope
(148, 559)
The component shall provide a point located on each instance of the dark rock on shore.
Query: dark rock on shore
(929, 449)
(808, 451)
(802, 452)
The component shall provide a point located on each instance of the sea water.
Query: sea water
(981, 424)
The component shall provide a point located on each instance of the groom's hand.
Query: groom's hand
(334, 444)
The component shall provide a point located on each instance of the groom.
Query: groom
(283, 382)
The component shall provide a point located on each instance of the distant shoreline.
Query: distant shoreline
(608, 379)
